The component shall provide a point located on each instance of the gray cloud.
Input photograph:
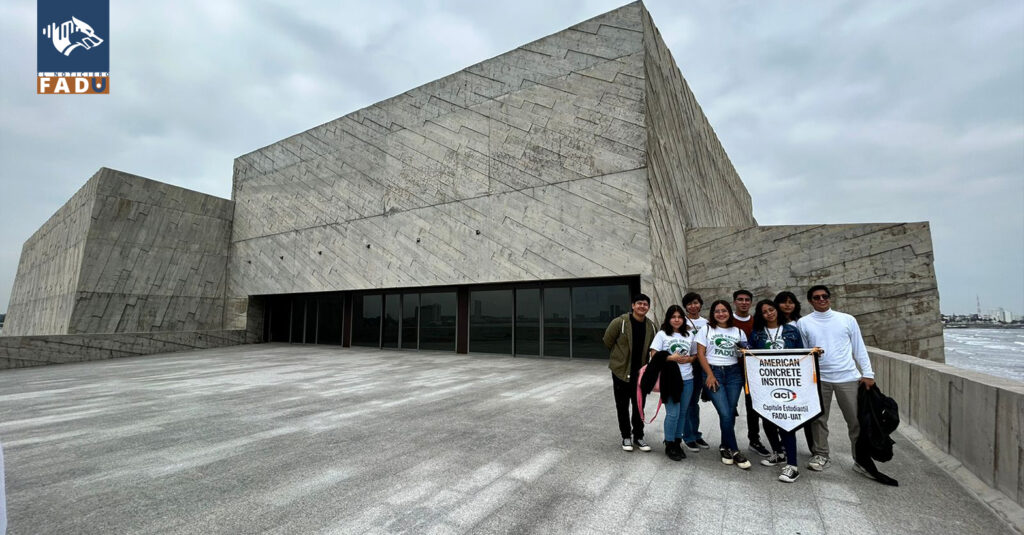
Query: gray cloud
(831, 111)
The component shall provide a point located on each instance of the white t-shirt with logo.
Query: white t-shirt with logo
(696, 324)
(720, 344)
(773, 338)
(677, 343)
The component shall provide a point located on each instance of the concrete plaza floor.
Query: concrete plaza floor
(308, 439)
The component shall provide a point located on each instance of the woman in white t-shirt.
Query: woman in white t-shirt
(718, 353)
(693, 439)
(676, 376)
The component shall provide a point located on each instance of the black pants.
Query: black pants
(753, 419)
(625, 398)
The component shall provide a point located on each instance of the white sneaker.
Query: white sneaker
(819, 463)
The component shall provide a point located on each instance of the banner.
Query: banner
(783, 385)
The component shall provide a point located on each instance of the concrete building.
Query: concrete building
(511, 207)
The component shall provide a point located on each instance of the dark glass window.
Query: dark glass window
(556, 322)
(280, 318)
(528, 321)
(593, 307)
(392, 313)
(298, 319)
(437, 321)
(490, 321)
(410, 320)
(311, 319)
(366, 320)
(329, 320)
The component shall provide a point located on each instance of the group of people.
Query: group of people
(696, 357)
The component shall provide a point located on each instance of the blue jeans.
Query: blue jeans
(730, 384)
(690, 427)
(675, 415)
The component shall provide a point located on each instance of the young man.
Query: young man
(628, 337)
(842, 366)
(741, 301)
(692, 437)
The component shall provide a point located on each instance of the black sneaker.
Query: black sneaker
(758, 448)
(673, 451)
(641, 444)
(740, 460)
(774, 459)
(692, 446)
(700, 442)
(789, 474)
(627, 444)
(726, 454)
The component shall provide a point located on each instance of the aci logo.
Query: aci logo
(784, 394)
(72, 47)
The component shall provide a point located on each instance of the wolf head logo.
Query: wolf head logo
(71, 35)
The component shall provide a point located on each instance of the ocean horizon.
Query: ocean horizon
(998, 352)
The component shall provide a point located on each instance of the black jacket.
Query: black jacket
(878, 416)
(671, 380)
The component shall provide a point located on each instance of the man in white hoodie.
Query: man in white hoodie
(842, 366)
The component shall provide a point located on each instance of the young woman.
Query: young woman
(788, 307)
(717, 350)
(789, 312)
(770, 333)
(675, 339)
(692, 437)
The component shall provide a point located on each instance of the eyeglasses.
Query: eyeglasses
(819, 297)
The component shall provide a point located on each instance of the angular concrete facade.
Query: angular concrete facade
(580, 156)
(124, 255)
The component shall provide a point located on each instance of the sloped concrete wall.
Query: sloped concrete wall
(156, 259)
(527, 166)
(125, 254)
(974, 417)
(45, 285)
(692, 181)
(882, 273)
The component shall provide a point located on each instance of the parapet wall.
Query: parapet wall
(26, 351)
(881, 273)
(974, 417)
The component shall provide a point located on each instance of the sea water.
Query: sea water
(998, 352)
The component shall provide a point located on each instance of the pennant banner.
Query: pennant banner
(783, 385)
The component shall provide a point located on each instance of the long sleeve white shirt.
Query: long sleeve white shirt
(839, 336)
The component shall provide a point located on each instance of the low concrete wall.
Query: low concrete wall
(24, 351)
(974, 417)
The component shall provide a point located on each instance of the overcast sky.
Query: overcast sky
(832, 112)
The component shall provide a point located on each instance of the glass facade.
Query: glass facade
(556, 322)
(392, 315)
(490, 321)
(593, 307)
(366, 320)
(410, 321)
(548, 319)
(437, 321)
(527, 328)
(330, 318)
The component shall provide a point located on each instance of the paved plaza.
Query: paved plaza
(312, 439)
